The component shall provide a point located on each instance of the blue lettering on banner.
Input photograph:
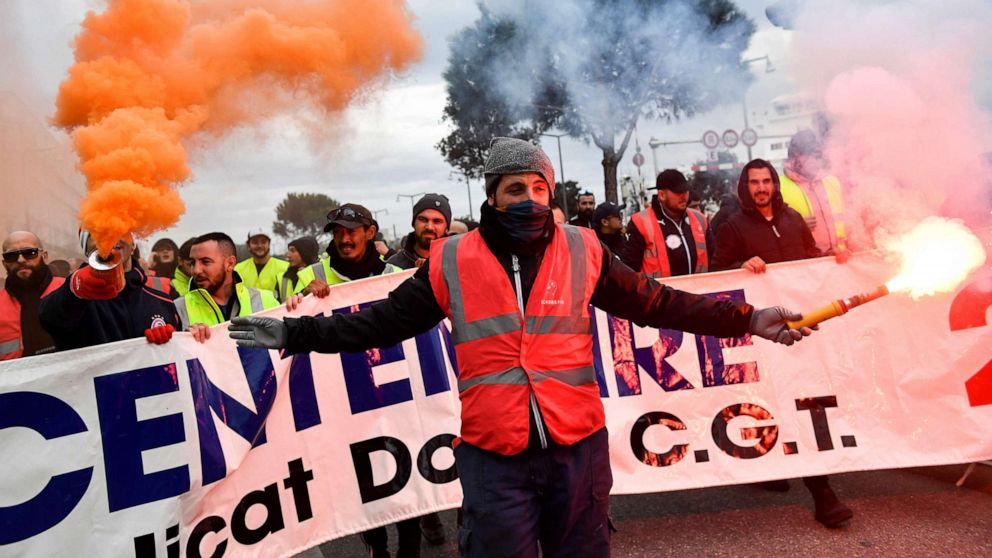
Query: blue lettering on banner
(431, 359)
(628, 359)
(363, 393)
(597, 356)
(125, 437)
(302, 393)
(261, 378)
(52, 418)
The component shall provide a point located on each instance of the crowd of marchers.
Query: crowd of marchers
(777, 215)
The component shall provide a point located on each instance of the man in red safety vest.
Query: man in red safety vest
(533, 458)
(28, 280)
(667, 238)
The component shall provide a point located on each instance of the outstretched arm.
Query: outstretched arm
(646, 302)
(410, 310)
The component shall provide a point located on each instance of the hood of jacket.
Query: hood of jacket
(747, 203)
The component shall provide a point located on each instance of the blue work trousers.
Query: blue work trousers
(556, 498)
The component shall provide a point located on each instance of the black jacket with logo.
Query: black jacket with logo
(74, 323)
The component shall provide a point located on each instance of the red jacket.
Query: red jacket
(10, 321)
(503, 357)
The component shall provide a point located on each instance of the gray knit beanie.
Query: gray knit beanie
(516, 156)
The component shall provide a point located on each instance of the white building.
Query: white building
(784, 116)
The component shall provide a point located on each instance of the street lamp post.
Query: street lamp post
(375, 215)
(411, 196)
(654, 143)
(561, 168)
(768, 69)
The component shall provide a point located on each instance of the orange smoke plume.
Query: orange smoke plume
(150, 74)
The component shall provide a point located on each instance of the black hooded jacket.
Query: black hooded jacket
(748, 233)
(74, 323)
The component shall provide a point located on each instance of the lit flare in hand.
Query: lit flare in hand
(936, 257)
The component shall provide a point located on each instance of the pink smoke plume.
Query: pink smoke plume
(898, 83)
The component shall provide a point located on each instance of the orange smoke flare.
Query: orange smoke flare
(150, 74)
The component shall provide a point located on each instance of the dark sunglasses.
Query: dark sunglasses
(28, 253)
(347, 213)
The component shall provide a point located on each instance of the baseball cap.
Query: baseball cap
(605, 210)
(349, 216)
(258, 232)
(673, 180)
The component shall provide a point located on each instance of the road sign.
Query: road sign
(711, 139)
(638, 159)
(730, 138)
(749, 137)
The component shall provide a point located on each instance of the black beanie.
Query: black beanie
(307, 247)
(437, 202)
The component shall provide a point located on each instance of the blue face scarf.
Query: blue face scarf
(524, 222)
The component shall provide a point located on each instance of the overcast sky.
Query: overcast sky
(379, 148)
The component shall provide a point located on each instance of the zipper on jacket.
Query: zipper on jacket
(220, 318)
(774, 230)
(678, 227)
(523, 317)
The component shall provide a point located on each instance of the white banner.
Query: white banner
(129, 449)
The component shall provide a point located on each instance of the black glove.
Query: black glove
(265, 333)
(770, 324)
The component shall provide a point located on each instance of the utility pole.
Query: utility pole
(468, 189)
(769, 68)
(561, 170)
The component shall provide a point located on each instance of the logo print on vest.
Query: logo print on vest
(157, 321)
(550, 293)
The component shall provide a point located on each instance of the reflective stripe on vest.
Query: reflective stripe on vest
(655, 262)
(505, 359)
(517, 376)
(318, 271)
(254, 301)
(158, 283)
(206, 311)
(183, 311)
(11, 346)
(463, 331)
